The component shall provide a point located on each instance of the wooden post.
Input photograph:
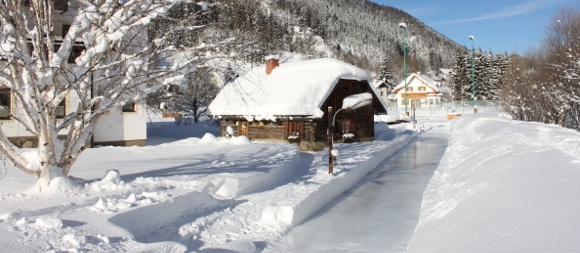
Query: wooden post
(330, 137)
(413, 114)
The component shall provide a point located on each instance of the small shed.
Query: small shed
(289, 102)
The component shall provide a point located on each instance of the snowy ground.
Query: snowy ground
(192, 194)
(501, 186)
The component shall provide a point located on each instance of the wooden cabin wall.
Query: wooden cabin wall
(274, 132)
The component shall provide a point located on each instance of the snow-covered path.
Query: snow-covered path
(380, 213)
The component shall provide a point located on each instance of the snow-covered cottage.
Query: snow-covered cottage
(422, 91)
(289, 102)
(125, 126)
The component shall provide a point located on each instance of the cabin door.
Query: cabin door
(244, 129)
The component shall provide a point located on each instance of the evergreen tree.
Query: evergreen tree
(386, 76)
(461, 76)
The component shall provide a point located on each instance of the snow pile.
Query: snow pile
(111, 181)
(503, 186)
(48, 222)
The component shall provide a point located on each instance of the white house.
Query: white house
(421, 91)
(125, 126)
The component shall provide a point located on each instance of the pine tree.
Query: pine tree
(386, 76)
(461, 76)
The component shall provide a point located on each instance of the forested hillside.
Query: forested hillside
(358, 32)
(364, 33)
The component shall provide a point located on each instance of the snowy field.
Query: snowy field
(502, 186)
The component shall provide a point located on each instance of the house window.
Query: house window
(5, 102)
(61, 109)
(130, 107)
(65, 29)
(75, 52)
(409, 89)
(61, 5)
(422, 88)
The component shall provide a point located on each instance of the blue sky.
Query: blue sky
(512, 26)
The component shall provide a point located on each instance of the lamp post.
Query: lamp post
(473, 75)
(351, 102)
(403, 27)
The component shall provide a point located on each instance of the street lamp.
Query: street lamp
(351, 102)
(403, 27)
(473, 75)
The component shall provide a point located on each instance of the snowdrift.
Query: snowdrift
(503, 186)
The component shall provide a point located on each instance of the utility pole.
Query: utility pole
(473, 75)
(404, 29)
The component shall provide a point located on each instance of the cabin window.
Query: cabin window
(130, 107)
(61, 5)
(347, 126)
(295, 129)
(5, 102)
(61, 109)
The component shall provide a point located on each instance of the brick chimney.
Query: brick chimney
(271, 63)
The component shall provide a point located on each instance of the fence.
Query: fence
(451, 107)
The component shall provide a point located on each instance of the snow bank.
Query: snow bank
(281, 166)
(503, 186)
(238, 246)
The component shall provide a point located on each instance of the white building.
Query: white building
(421, 91)
(125, 126)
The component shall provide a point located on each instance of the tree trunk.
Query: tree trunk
(46, 176)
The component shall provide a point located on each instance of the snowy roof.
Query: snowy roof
(292, 89)
(422, 78)
(446, 72)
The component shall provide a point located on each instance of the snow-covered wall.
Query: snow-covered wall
(119, 126)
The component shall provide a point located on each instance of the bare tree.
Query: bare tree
(101, 61)
(190, 99)
(543, 86)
